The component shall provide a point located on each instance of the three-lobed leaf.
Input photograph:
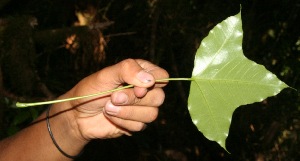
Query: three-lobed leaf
(222, 80)
(225, 79)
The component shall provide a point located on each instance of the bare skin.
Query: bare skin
(77, 122)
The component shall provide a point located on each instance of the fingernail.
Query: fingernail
(144, 77)
(111, 109)
(120, 98)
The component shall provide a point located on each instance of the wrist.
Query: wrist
(64, 129)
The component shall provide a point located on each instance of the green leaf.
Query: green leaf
(225, 79)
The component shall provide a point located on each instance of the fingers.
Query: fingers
(128, 125)
(128, 109)
(145, 114)
(130, 112)
(131, 118)
(126, 106)
(157, 72)
(153, 97)
(139, 73)
(127, 71)
(131, 109)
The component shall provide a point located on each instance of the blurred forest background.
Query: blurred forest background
(47, 46)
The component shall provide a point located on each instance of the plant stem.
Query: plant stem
(175, 79)
(24, 105)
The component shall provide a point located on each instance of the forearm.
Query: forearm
(34, 142)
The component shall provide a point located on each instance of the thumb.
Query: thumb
(128, 71)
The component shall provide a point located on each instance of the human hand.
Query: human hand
(121, 112)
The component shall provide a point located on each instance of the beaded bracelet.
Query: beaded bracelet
(53, 140)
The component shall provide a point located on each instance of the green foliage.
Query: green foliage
(15, 119)
(176, 28)
(222, 80)
(225, 79)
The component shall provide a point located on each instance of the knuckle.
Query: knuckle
(136, 101)
(152, 115)
(126, 63)
(127, 113)
(166, 74)
(159, 97)
(137, 127)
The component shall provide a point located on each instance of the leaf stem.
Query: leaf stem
(175, 79)
(24, 105)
